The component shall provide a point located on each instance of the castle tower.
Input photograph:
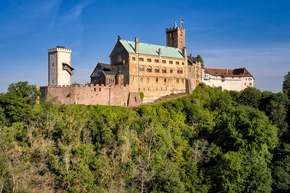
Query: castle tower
(59, 66)
(175, 37)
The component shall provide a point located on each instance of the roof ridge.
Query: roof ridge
(152, 49)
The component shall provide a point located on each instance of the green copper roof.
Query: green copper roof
(151, 49)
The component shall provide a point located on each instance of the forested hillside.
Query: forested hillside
(208, 141)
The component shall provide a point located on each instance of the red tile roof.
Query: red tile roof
(238, 72)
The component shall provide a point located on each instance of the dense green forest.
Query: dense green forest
(208, 141)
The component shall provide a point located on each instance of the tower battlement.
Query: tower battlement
(59, 66)
(60, 49)
(174, 28)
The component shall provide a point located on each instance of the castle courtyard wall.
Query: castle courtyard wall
(87, 94)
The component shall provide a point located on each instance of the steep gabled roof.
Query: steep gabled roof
(105, 67)
(110, 73)
(152, 49)
(238, 72)
(191, 59)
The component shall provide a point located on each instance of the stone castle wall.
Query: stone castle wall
(87, 94)
(113, 95)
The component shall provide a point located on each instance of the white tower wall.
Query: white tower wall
(59, 66)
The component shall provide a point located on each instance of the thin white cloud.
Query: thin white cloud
(75, 12)
(32, 14)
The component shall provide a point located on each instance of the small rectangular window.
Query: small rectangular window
(141, 59)
(177, 62)
(156, 61)
(170, 62)
(164, 61)
(133, 58)
(148, 59)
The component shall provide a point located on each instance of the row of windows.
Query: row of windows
(157, 61)
(152, 89)
(163, 70)
(163, 79)
(223, 77)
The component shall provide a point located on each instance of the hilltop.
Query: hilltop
(207, 141)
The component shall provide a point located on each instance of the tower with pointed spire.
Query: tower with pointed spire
(175, 37)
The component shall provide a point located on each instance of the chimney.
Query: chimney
(190, 55)
(184, 52)
(159, 52)
(136, 45)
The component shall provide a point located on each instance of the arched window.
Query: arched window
(141, 68)
(156, 70)
(171, 70)
(149, 69)
(163, 70)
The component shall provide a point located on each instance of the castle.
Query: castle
(138, 73)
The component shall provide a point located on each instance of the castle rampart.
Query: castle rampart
(87, 94)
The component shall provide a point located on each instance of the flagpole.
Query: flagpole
(181, 21)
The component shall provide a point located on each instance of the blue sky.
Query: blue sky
(227, 33)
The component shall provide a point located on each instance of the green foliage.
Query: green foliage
(18, 102)
(141, 96)
(286, 84)
(281, 169)
(199, 59)
(250, 96)
(208, 141)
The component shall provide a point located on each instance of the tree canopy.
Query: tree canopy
(208, 141)
(286, 84)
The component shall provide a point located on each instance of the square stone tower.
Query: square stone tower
(175, 37)
(59, 66)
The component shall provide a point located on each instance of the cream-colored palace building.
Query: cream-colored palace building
(155, 70)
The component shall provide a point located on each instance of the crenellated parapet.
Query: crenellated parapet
(60, 49)
(174, 28)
